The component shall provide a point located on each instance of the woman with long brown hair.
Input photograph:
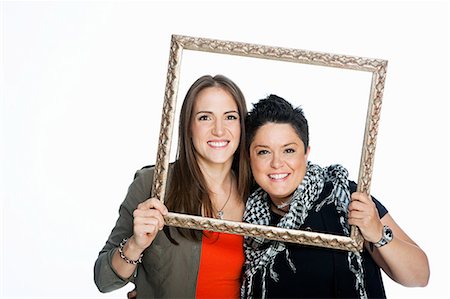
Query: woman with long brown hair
(209, 178)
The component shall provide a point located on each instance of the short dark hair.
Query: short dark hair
(274, 109)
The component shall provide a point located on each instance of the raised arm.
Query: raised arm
(401, 258)
(108, 274)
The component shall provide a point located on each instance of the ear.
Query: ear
(307, 153)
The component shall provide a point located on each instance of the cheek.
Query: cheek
(194, 130)
(300, 166)
(257, 166)
(236, 130)
(197, 130)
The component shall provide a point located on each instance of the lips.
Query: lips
(278, 176)
(218, 144)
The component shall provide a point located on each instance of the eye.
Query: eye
(262, 152)
(204, 117)
(232, 117)
(290, 150)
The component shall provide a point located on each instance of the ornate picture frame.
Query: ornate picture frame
(377, 68)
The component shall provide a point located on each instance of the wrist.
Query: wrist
(386, 237)
(129, 252)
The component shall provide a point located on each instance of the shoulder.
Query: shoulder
(143, 178)
(145, 172)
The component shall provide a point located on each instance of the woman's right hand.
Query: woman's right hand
(148, 221)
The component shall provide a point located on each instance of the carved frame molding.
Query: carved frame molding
(376, 66)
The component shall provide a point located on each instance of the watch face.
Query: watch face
(388, 235)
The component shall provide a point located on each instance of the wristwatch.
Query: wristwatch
(385, 238)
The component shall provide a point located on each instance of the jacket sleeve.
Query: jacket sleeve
(105, 277)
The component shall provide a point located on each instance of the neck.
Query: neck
(220, 185)
(277, 210)
(281, 203)
(216, 176)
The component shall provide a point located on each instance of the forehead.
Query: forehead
(214, 98)
(275, 134)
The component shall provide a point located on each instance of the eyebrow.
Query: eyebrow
(210, 112)
(287, 144)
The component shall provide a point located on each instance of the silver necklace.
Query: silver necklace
(278, 209)
(220, 212)
(284, 204)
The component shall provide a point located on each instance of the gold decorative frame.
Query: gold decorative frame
(376, 66)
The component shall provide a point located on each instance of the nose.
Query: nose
(218, 129)
(276, 161)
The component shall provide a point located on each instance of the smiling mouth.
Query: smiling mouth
(278, 176)
(218, 144)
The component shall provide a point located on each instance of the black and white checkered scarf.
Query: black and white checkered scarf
(260, 258)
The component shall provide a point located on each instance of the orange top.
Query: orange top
(221, 262)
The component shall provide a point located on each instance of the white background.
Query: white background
(82, 86)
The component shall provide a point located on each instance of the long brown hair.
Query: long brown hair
(187, 190)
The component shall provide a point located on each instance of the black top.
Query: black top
(320, 272)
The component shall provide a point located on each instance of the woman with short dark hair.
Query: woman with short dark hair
(294, 193)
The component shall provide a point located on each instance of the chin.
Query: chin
(221, 160)
(276, 194)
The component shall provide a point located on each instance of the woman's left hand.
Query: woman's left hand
(363, 213)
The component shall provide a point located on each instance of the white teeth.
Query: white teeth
(218, 144)
(278, 176)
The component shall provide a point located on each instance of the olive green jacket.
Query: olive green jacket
(167, 270)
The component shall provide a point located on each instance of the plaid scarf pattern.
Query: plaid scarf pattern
(260, 253)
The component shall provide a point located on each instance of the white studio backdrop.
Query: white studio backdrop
(82, 85)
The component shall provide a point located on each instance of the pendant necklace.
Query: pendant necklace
(220, 212)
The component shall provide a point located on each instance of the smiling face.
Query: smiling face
(215, 127)
(278, 160)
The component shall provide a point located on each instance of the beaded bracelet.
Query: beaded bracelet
(122, 255)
